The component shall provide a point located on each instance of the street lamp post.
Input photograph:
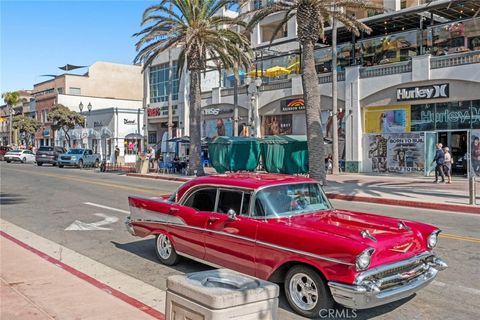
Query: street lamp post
(253, 89)
(89, 108)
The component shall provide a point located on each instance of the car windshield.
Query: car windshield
(290, 200)
(75, 151)
(45, 149)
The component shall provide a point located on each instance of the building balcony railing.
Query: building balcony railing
(456, 59)
(327, 78)
(229, 91)
(386, 70)
(277, 85)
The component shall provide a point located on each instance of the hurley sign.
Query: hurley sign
(425, 92)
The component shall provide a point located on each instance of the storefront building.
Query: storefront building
(107, 128)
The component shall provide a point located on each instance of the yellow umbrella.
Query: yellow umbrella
(255, 73)
(276, 71)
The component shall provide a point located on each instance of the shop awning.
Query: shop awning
(134, 136)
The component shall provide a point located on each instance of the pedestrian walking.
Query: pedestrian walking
(439, 160)
(117, 153)
(151, 157)
(448, 164)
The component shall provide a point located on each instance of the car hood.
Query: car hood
(393, 239)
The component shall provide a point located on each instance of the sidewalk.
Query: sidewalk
(35, 286)
(411, 191)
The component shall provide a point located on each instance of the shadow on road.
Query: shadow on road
(11, 198)
(146, 249)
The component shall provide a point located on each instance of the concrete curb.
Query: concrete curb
(387, 201)
(138, 175)
(407, 203)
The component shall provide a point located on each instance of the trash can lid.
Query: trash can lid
(221, 288)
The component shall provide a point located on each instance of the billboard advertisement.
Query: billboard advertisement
(395, 152)
(393, 119)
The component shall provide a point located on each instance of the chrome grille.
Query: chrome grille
(66, 158)
(398, 275)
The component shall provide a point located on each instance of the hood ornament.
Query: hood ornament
(402, 225)
(366, 235)
(402, 248)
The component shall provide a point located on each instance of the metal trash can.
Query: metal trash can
(220, 294)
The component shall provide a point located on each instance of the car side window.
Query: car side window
(202, 200)
(229, 199)
(246, 204)
(89, 152)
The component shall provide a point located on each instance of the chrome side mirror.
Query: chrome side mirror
(232, 215)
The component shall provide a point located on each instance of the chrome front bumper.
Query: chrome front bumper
(368, 292)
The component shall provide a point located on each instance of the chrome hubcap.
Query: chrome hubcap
(164, 246)
(303, 291)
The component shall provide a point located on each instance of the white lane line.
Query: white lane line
(458, 287)
(106, 207)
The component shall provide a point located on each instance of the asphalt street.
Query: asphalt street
(84, 210)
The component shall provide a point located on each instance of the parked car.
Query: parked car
(22, 156)
(48, 155)
(283, 228)
(3, 150)
(79, 158)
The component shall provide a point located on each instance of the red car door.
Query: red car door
(231, 242)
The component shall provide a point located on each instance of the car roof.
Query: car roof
(249, 180)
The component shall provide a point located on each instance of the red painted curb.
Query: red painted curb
(105, 288)
(138, 175)
(407, 203)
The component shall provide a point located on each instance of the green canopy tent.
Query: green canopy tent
(234, 153)
(285, 154)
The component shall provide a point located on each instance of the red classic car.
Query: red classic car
(283, 228)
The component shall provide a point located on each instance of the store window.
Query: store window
(75, 91)
(152, 137)
(267, 31)
(159, 78)
(453, 115)
(475, 110)
(388, 49)
(456, 37)
(423, 117)
(132, 146)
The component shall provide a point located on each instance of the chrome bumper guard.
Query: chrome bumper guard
(370, 291)
(129, 226)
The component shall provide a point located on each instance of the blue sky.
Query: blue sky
(39, 36)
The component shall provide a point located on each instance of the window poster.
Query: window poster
(392, 119)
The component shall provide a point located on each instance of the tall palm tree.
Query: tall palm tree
(11, 99)
(199, 29)
(311, 16)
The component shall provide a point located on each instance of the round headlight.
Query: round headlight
(363, 259)
(432, 239)
(74, 158)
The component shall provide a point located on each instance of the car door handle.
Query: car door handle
(213, 219)
(172, 210)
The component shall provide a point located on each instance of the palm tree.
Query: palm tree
(202, 33)
(311, 16)
(11, 99)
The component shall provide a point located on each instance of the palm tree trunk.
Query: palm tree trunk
(195, 127)
(311, 95)
(236, 82)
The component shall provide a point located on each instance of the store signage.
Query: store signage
(46, 133)
(97, 124)
(292, 105)
(215, 111)
(424, 92)
(153, 112)
(129, 122)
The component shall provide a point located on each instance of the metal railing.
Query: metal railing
(386, 70)
(276, 85)
(328, 77)
(455, 59)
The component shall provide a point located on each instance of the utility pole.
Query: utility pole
(335, 169)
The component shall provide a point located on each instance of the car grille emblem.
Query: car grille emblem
(402, 248)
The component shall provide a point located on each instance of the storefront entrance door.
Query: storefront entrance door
(457, 142)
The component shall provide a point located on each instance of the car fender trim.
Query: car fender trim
(139, 215)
